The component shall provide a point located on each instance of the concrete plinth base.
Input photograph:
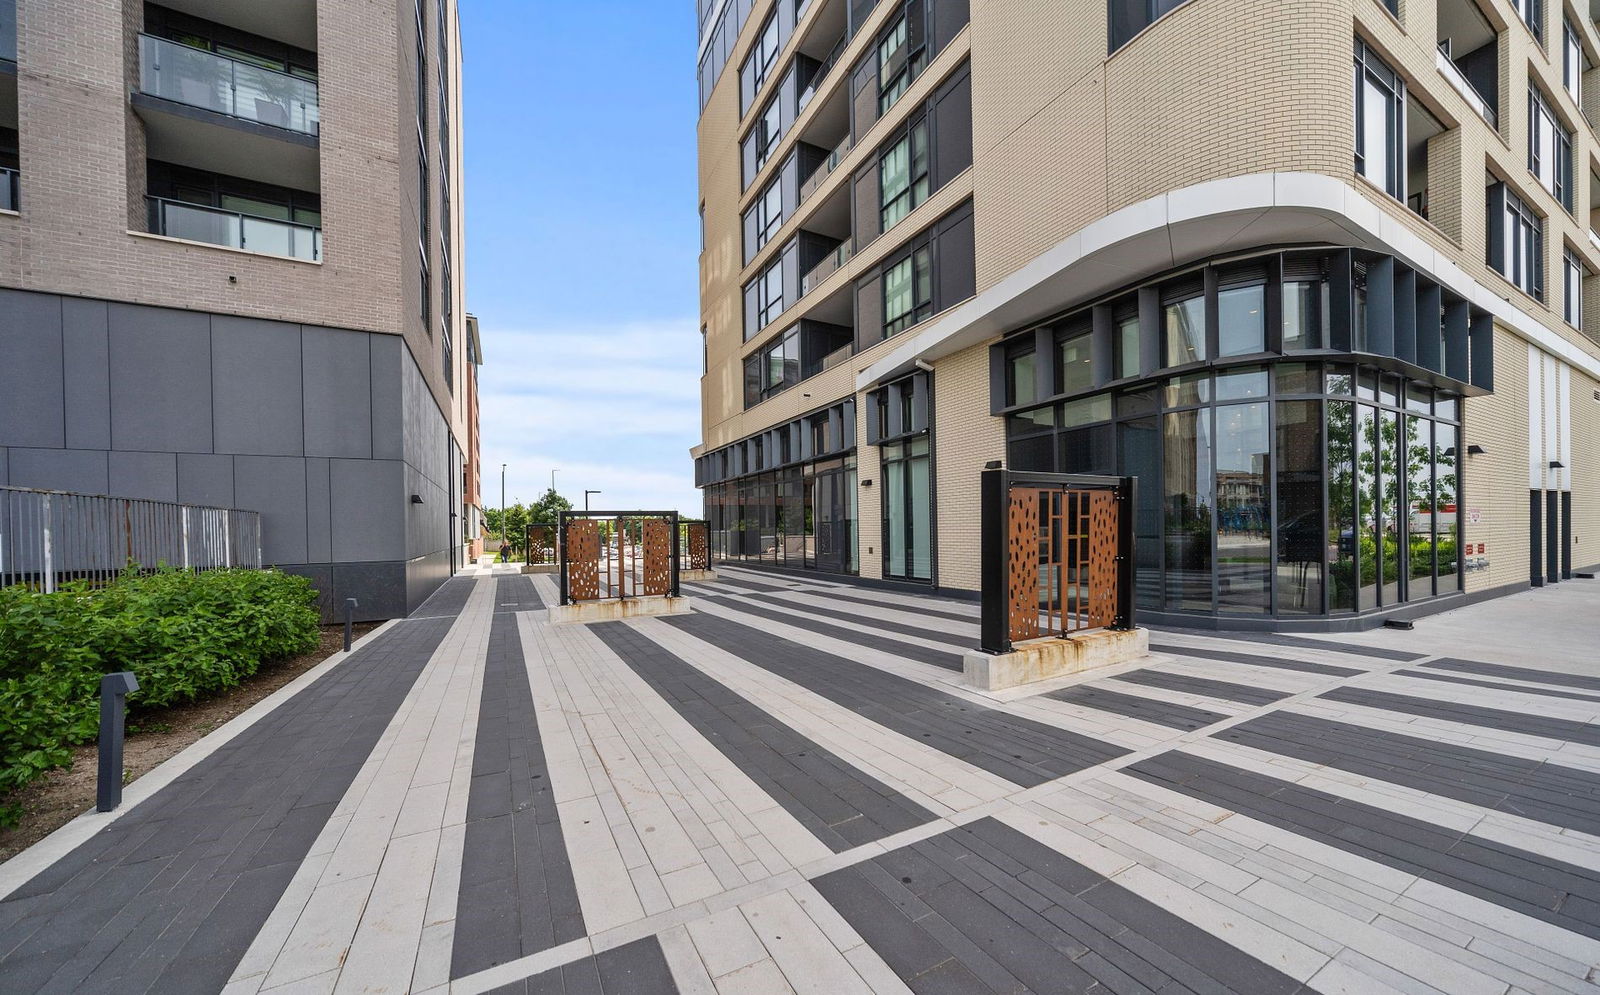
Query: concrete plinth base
(693, 575)
(1042, 659)
(611, 611)
(541, 568)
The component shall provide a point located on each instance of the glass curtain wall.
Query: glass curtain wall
(1293, 489)
(907, 511)
(799, 517)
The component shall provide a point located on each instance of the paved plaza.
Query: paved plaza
(789, 789)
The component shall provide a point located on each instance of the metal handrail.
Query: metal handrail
(1450, 71)
(199, 78)
(823, 171)
(300, 241)
(10, 188)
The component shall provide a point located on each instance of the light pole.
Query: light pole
(505, 524)
(553, 480)
(586, 499)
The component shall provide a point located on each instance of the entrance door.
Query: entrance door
(832, 519)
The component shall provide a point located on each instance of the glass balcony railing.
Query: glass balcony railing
(828, 266)
(236, 231)
(821, 75)
(10, 189)
(823, 171)
(202, 79)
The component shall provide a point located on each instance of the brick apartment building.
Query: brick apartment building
(1321, 276)
(230, 258)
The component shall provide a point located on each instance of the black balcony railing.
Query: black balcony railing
(271, 236)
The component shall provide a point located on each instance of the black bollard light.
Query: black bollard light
(114, 689)
(350, 606)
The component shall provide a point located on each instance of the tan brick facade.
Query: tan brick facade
(1065, 137)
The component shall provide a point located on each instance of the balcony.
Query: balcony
(233, 230)
(822, 172)
(195, 78)
(1468, 56)
(828, 266)
(10, 189)
(820, 74)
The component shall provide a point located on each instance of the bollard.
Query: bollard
(350, 606)
(114, 688)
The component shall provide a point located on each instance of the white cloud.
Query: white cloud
(614, 407)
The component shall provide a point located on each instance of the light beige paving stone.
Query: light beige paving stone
(809, 960)
(689, 972)
(726, 942)
(760, 978)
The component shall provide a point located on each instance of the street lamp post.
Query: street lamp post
(553, 480)
(505, 524)
(586, 499)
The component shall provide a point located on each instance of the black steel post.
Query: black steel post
(561, 545)
(993, 571)
(350, 606)
(114, 689)
(1127, 512)
(677, 546)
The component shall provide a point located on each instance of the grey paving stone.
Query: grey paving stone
(517, 895)
(1497, 685)
(1254, 659)
(240, 822)
(1302, 642)
(1515, 879)
(1516, 673)
(637, 968)
(843, 806)
(1226, 690)
(962, 643)
(946, 660)
(1570, 730)
(1090, 934)
(1164, 713)
(1020, 750)
(923, 606)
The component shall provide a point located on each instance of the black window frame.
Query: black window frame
(1542, 111)
(909, 135)
(1370, 67)
(921, 290)
(1140, 15)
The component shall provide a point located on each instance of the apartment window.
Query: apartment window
(425, 280)
(765, 54)
(1186, 330)
(769, 294)
(1380, 122)
(1549, 148)
(902, 53)
(1572, 62)
(1572, 274)
(1127, 18)
(908, 292)
(702, 226)
(705, 352)
(1532, 14)
(903, 174)
(769, 213)
(773, 369)
(769, 131)
(1125, 341)
(1516, 240)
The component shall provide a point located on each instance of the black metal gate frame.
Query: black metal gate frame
(563, 517)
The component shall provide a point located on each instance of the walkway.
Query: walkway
(788, 790)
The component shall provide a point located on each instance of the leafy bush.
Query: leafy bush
(183, 635)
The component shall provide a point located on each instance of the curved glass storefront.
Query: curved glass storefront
(1287, 489)
(1294, 422)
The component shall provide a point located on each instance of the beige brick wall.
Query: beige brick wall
(965, 438)
(83, 158)
(1496, 482)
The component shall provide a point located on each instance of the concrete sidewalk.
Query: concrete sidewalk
(790, 791)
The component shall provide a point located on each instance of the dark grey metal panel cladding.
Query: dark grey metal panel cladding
(957, 266)
(31, 404)
(949, 17)
(159, 358)
(952, 127)
(867, 196)
(86, 373)
(150, 476)
(257, 373)
(869, 311)
(337, 372)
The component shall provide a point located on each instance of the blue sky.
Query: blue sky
(582, 246)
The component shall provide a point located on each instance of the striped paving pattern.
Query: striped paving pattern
(789, 790)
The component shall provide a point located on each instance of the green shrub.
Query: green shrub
(183, 635)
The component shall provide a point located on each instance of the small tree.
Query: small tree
(545, 509)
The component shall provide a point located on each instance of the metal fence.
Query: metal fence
(48, 538)
(616, 555)
(1056, 555)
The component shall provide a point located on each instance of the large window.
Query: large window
(1572, 62)
(1532, 14)
(1297, 489)
(1127, 18)
(908, 292)
(903, 175)
(769, 214)
(769, 294)
(1074, 371)
(1241, 320)
(1572, 274)
(902, 54)
(1516, 240)
(1125, 340)
(764, 55)
(1186, 331)
(768, 132)
(907, 535)
(1380, 122)
(1549, 148)
(772, 369)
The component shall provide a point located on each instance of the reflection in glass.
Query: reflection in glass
(1244, 530)
(1367, 504)
(1127, 346)
(1241, 385)
(1298, 378)
(1241, 320)
(906, 533)
(1189, 503)
(1341, 506)
(1022, 382)
(1192, 389)
(1340, 381)
(1392, 512)
(1030, 440)
(1076, 375)
(1140, 444)
(1186, 331)
(1445, 460)
(1303, 303)
(1301, 548)
(1420, 524)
